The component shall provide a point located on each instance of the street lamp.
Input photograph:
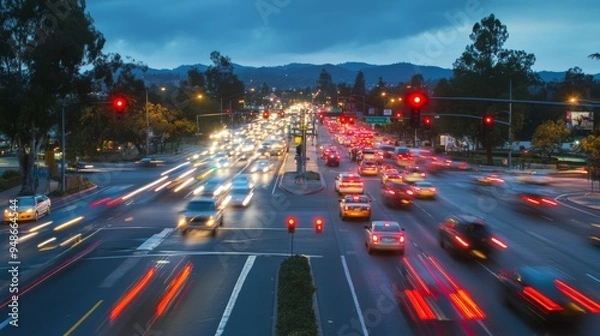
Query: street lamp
(148, 121)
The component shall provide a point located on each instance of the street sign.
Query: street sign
(377, 120)
(387, 112)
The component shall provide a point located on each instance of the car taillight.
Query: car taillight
(375, 238)
(401, 239)
(582, 299)
(541, 299)
(390, 192)
(461, 241)
(410, 192)
(549, 202)
(345, 207)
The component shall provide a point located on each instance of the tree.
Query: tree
(42, 52)
(326, 85)
(591, 146)
(487, 70)
(549, 137)
(359, 88)
(595, 56)
(417, 81)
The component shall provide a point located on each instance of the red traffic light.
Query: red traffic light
(427, 121)
(416, 99)
(291, 224)
(488, 120)
(399, 115)
(319, 225)
(119, 104)
(266, 114)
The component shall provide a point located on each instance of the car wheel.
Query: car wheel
(369, 250)
(184, 232)
(401, 252)
(48, 211)
(36, 216)
(221, 223)
(214, 232)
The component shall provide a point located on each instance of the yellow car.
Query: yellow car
(355, 206)
(413, 174)
(424, 189)
(391, 176)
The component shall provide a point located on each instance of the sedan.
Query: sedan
(468, 236)
(545, 296)
(397, 194)
(25, 208)
(240, 196)
(385, 236)
(424, 189)
(355, 206)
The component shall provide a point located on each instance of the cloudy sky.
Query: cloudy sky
(166, 34)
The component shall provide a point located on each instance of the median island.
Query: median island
(295, 313)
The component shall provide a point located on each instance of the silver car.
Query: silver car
(240, 196)
(385, 236)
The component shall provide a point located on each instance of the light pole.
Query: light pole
(63, 160)
(509, 161)
(148, 121)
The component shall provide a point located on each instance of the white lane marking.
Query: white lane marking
(485, 328)
(422, 209)
(574, 208)
(199, 253)
(155, 240)
(361, 319)
(110, 280)
(592, 277)
(279, 174)
(234, 295)
(540, 237)
(488, 270)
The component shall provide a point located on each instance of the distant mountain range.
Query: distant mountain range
(299, 75)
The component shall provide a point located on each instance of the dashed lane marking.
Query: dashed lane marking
(155, 240)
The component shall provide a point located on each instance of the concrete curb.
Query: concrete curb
(275, 303)
(315, 302)
(64, 201)
(311, 192)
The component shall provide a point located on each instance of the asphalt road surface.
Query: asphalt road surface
(134, 274)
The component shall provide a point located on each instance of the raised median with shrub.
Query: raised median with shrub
(295, 313)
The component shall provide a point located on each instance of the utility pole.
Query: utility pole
(509, 161)
(147, 126)
(63, 159)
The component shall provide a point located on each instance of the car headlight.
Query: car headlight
(182, 221)
(210, 221)
(266, 169)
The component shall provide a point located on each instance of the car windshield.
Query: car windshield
(386, 228)
(25, 202)
(201, 206)
(357, 199)
(369, 164)
(212, 184)
(240, 191)
(424, 184)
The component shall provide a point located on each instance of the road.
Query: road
(225, 285)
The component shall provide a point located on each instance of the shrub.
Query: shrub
(86, 184)
(313, 176)
(295, 313)
(9, 183)
(11, 173)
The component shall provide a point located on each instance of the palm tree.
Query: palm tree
(595, 56)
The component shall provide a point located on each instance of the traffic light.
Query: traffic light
(427, 122)
(416, 100)
(266, 114)
(488, 121)
(291, 224)
(319, 225)
(119, 104)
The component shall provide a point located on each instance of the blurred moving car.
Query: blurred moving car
(355, 206)
(391, 175)
(202, 213)
(333, 159)
(536, 179)
(544, 295)
(261, 166)
(385, 236)
(424, 189)
(245, 180)
(594, 235)
(413, 174)
(213, 187)
(468, 236)
(489, 180)
(535, 201)
(150, 162)
(240, 195)
(26, 208)
(434, 301)
(368, 168)
(349, 184)
(397, 194)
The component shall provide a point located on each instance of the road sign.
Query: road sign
(377, 120)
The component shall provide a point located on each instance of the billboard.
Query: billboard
(581, 121)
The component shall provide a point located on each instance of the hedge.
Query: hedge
(83, 186)
(8, 183)
(295, 313)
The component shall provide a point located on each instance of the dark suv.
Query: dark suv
(202, 213)
(468, 236)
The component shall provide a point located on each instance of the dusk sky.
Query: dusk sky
(166, 34)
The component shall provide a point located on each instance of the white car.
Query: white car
(240, 196)
(385, 236)
(535, 178)
(349, 184)
(262, 166)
